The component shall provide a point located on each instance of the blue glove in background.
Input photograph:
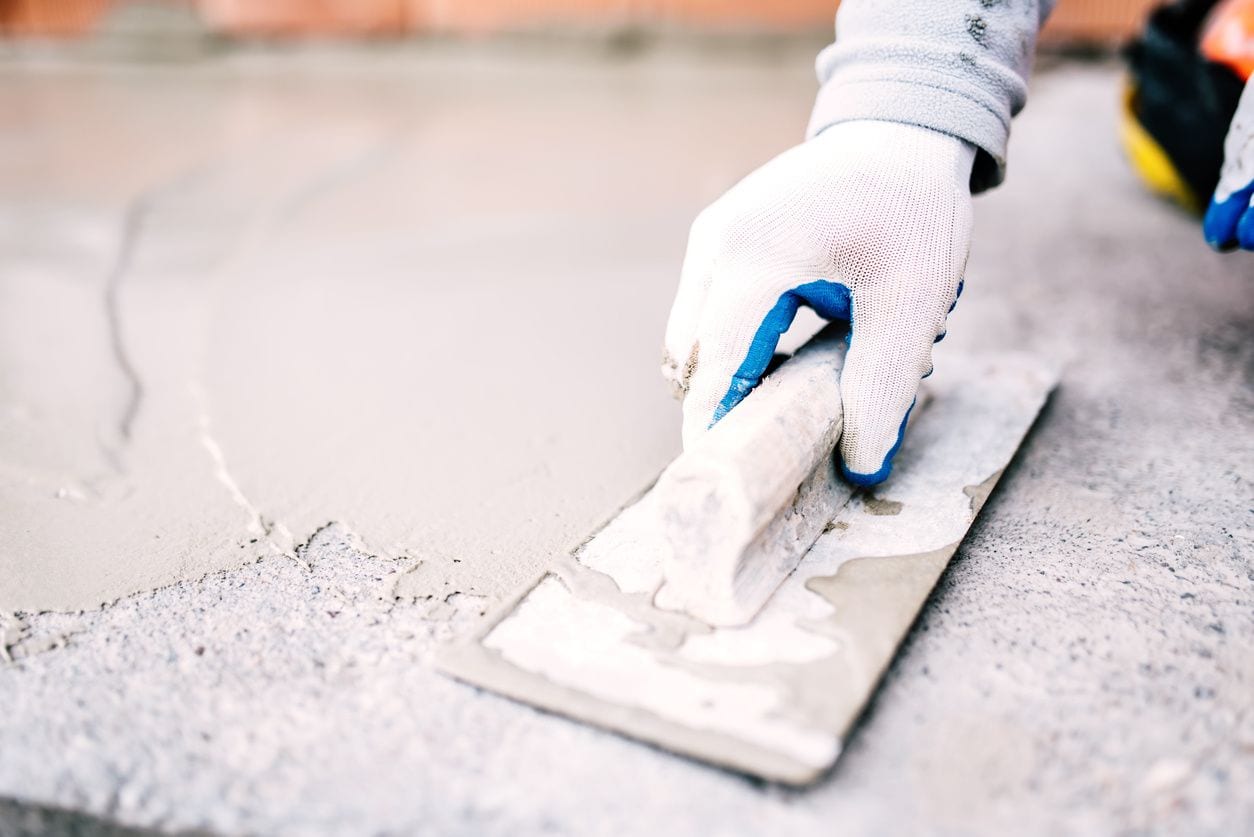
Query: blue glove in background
(1229, 221)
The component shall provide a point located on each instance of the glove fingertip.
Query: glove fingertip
(1220, 226)
(1245, 230)
(866, 479)
(1217, 226)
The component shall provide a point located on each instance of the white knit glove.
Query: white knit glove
(1229, 221)
(868, 222)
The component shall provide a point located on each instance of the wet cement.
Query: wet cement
(302, 308)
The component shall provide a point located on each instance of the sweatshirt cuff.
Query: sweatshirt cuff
(923, 99)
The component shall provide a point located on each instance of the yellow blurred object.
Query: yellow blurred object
(1149, 160)
(1229, 36)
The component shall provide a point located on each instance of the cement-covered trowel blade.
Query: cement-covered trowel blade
(773, 697)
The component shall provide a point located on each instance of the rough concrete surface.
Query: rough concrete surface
(1086, 665)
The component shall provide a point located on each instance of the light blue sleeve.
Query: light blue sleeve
(956, 66)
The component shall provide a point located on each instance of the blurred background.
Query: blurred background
(1073, 21)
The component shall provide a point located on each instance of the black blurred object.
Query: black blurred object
(1183, 100)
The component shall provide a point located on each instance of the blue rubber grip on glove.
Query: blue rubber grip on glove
(1230, 223)
(831, 301)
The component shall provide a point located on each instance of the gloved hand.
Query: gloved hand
(868, 222)
(1229, 221)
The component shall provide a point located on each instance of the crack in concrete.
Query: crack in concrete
(132, 226)
(331, 178)
(258, 524)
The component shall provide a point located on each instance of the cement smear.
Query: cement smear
(773, 697)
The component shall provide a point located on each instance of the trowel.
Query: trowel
(741, 610)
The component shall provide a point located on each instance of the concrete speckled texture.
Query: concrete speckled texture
(1086, 665)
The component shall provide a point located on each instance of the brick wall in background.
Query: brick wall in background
(739, 15)
(1081, 20)
(1090, 21)
(1073, 20)
(49, 17)
(306, 17)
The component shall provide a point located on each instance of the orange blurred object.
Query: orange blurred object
(1097, 21)
(1229, 36)
(50, 18)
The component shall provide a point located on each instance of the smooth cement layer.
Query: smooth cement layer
(301, 308)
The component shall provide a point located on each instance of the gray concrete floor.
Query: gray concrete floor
(1085, 666)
